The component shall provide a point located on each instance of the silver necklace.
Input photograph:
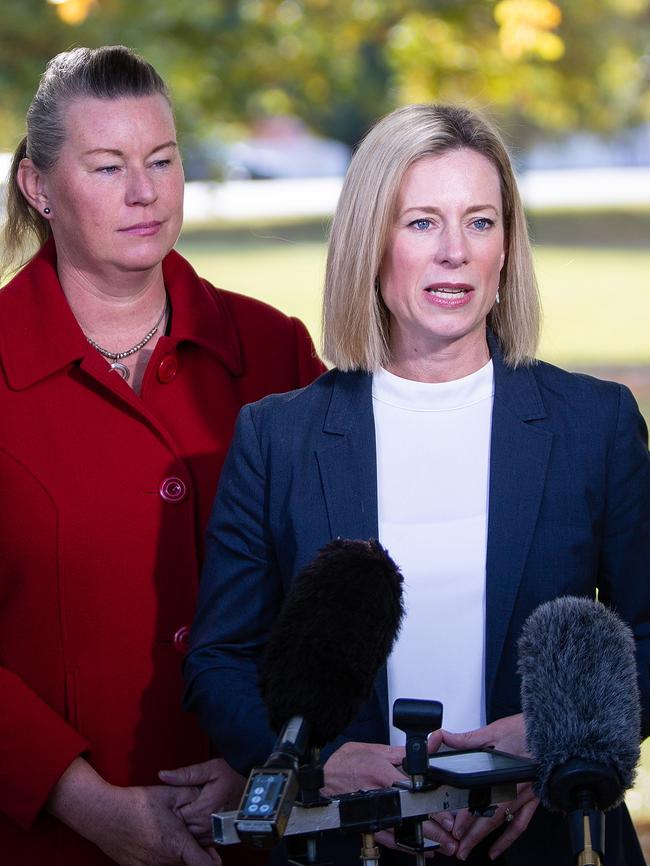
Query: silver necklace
(116, 357)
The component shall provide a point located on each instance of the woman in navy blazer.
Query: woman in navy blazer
(430, 278)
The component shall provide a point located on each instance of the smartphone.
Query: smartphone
(472, 767)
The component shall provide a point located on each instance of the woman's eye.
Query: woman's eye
(108, 169)
(421, 224)
(482, 223)
(161, 163)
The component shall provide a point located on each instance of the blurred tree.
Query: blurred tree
(339, 64)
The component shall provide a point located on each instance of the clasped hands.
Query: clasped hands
(156, 825)
(368, 765)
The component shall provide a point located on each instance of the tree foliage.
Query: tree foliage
(339, 64)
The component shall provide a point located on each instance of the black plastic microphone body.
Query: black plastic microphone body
(271, 790)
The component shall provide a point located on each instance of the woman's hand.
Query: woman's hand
(137, 826)
(507, 735)
(221, 789)
(357, 766)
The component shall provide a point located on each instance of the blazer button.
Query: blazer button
(182, 639)
(173, 490)
(167, 369)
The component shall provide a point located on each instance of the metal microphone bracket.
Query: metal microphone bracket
(282, 799)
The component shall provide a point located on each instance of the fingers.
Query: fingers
(512, 817)
(362, 765)
(514, 828)
(193, 855)
(463, 823)
(435, 830)
(434, 742)
(387, 839)
(475, 829)
(444, 820)
(194, 774)
(465, 739)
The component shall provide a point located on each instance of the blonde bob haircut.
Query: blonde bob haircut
(356, 324)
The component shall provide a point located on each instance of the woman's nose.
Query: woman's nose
(140, 188)
(452, 249)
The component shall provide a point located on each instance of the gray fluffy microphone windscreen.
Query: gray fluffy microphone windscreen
(579, 690)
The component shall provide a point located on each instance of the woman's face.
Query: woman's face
(116, 191)
(440, 273)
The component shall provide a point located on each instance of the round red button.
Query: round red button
(167, 369)
(173, 490)
(182, 639)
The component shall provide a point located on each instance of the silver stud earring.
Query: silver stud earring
(46, 211)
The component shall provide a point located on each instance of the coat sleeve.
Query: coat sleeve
(36, 746)
(624, 582)
(239, 598)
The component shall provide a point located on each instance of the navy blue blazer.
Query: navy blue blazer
(569, 514)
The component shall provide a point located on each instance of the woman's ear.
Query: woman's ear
(32, 185)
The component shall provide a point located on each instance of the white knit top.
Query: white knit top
(433, 447)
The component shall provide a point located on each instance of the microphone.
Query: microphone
(335, 630)
(581, 706)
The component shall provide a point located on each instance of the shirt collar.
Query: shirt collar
(39, 334)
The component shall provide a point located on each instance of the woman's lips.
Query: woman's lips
(143, 229)
(449, 295)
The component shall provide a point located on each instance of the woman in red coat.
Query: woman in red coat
(121, 375)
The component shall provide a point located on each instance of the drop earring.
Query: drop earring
(498, 299)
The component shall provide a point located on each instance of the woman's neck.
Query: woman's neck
(117, 315)
(453, 362)
(128, 316)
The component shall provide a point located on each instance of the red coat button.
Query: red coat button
(182, 639)
(167, 369)
(173, 490)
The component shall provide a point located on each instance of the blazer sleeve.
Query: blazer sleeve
(239, 598)
(624, 582)
(36, 746)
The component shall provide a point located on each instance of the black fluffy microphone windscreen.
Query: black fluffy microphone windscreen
(579, 691)
(336, 628)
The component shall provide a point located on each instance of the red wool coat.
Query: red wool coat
(105, 496)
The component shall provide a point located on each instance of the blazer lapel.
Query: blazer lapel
(347, 463)
(347, 459)
(519, 454)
